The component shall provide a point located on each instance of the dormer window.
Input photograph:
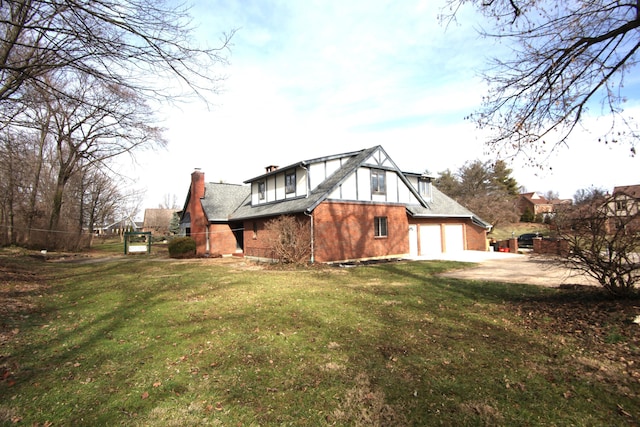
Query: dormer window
(261, 190)
(378, 185)
(290, 182)
(424, 188)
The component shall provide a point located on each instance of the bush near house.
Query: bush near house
(290, 240)
(182, 247)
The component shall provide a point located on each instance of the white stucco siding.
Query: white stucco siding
(319, 172)
(271, 189)
(279, 187)
(348, 190)
(364, 184)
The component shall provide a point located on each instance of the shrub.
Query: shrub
(290, 239)
(182, 247)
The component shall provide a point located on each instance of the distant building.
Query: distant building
(158, 221)
(537, 207)
(534, 205)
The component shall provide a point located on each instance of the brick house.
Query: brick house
(358, 206)
(535, 204)
(539, 207)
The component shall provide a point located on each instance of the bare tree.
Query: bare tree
(289, 239)
(602, 235)
(136, 44)
(567, 58)
(170, 202)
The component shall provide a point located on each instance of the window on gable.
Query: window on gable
(378, 185)
(261, 190)
(290, 182)
(380, 226)
(621, 205)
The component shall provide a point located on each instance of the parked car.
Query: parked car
(526, 240)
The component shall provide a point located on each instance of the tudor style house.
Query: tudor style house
(358, 206)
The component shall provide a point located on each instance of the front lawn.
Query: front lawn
(149, 341)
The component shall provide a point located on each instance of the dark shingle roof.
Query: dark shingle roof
(222, 199)
(629, 190)
(442, 205)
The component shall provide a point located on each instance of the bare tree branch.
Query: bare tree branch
(566, 59)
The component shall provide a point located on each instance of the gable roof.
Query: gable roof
(154, 218)
(221, 199)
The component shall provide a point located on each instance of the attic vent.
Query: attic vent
(271, 168)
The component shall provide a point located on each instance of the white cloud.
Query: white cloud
(312, 78)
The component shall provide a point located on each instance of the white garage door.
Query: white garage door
(430, 240)
(454, 238)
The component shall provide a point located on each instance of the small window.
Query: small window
(261, 190)
(424, 188)
(621, 205)
(290, 182)
(380, 226)
(255, 230)
(378, 185)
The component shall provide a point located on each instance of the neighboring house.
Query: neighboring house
(624, 206)
(358, 206)
(625, 200)
(157, 221)
(534, 204)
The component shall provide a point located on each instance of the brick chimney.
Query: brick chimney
(199, 223)
(197, 184)
(271, 168)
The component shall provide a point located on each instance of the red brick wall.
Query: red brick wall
(256, 244)
(198, 220)
(476, 237)
(222, 241)
(345, 231)
(256, 238)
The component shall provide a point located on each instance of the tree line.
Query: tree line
(80, 86)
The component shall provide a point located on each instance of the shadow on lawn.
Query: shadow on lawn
(421, 348)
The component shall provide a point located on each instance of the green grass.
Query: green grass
(139, 341)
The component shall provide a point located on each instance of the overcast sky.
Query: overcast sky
(314, 78)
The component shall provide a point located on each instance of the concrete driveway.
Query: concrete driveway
(514, 268)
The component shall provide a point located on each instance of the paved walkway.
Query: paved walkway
(514, 268)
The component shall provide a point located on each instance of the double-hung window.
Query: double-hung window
(378, 184)
(261, 190)
(380, 226)
(290, 182)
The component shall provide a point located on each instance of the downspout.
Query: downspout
(310, 215)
